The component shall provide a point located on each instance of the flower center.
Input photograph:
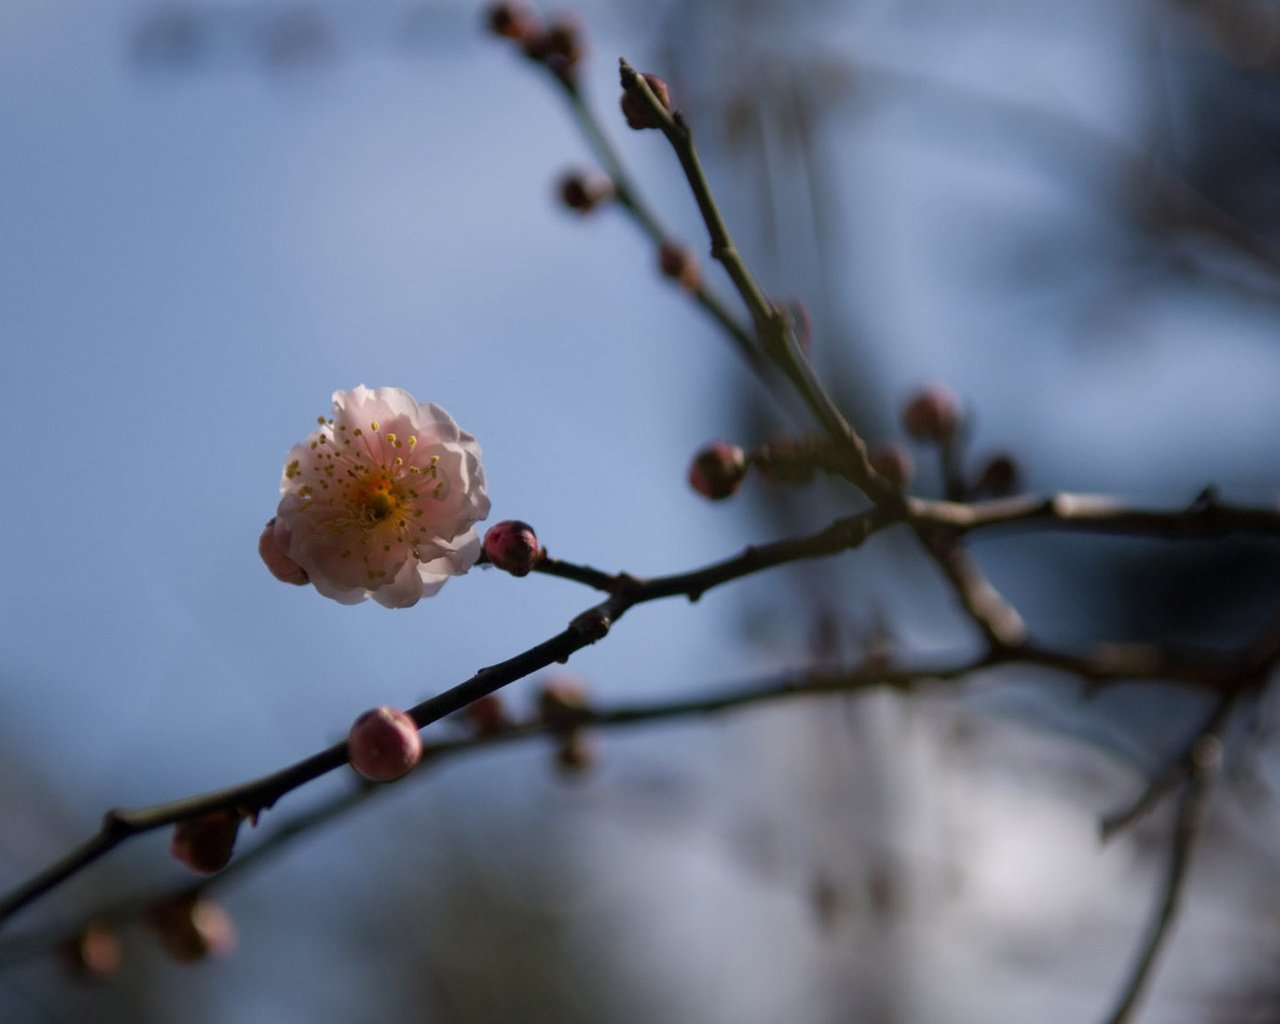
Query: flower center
(379, 500)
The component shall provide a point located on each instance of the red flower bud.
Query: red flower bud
(511, 21)
(205, 844)
(560, 46)
(932, 414)
(487, 715)
(637, 111)
(562, 701)
(679, 263)
(384, 744)
(1000, 476)
(718, 470)
(192, 928)
(576, 753)
(512, 546)
(94, 953)
(584, 192)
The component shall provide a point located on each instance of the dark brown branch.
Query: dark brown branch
(1107, 664)
(593, 578)
(773, 328)
(587, 628)
(630, 198)
(999, 623)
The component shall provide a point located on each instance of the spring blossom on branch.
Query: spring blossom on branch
(381, 501)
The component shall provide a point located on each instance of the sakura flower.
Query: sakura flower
(382, 500)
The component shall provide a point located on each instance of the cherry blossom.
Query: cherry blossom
(382, 500)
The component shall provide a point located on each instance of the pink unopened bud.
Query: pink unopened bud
(584, 191)
(487, 716)
(562, 702)
(560, 46)
(576, 752)
(637, 111)
(932, 414)
(679, 263)
(511, 21)
(718, 470)
(384, 744)
(893, 462)
(205, 844)
(192, 928)
(1000, 476)
(513, 546)
(273, 555)
(94, 953)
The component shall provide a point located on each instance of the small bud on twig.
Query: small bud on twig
(94, 953)
(384, 744)
(717, 471)
(487, 715)
(679, 263)
(512, 546)
(562, 702)
(512, 21)
(999, 477)
(192, 928)
(576, 753)
(584, 192)
(932, 414)
(634, 108)
(205, 844)
(560, 46)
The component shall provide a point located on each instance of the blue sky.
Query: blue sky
(190, 263)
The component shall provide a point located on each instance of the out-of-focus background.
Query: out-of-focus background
(215, 213)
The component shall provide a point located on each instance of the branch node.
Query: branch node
(115, 824)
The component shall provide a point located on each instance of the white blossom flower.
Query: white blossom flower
(382, 500)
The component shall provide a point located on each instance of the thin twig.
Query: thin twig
(773, 327)
(631, 199)
(590, 626)
(1104, 665)
(995, 618)
(1204, 766)
(1174, 774)
(593, 578)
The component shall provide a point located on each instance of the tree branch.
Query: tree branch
(1105, 665)
(593, 624)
